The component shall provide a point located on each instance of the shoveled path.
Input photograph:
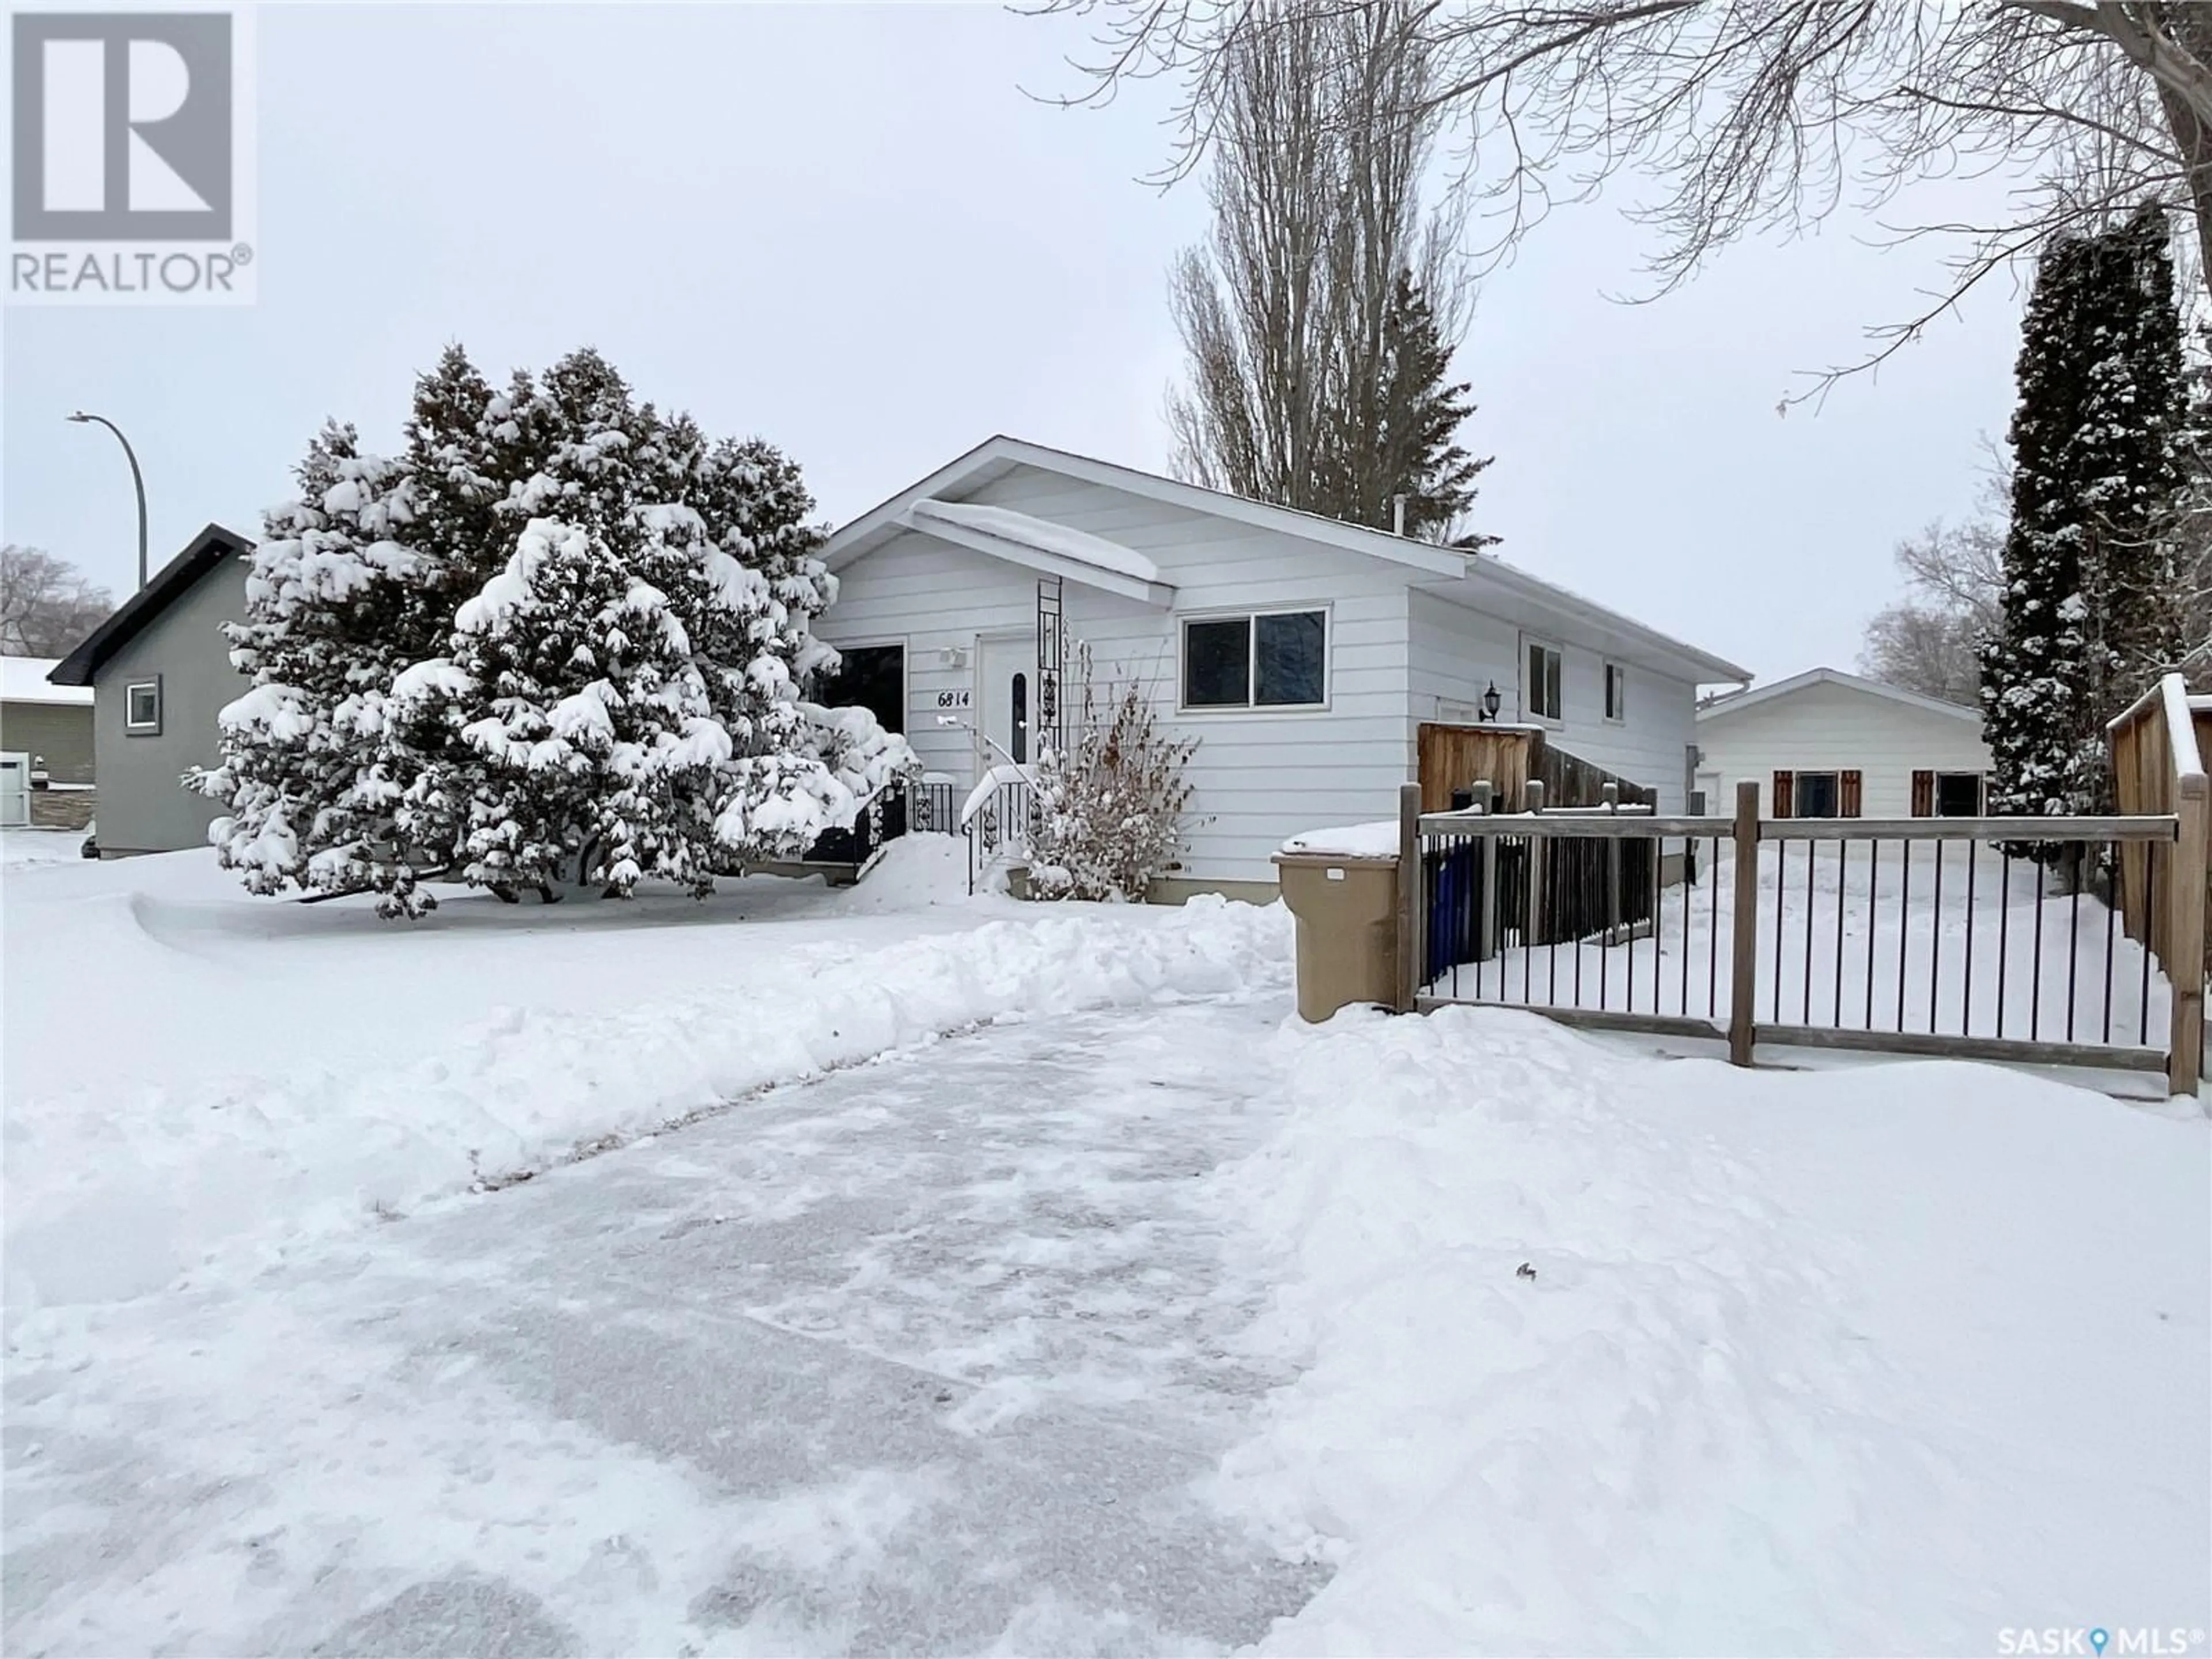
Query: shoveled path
(924, 1357)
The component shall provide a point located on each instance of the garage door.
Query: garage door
(14, 790)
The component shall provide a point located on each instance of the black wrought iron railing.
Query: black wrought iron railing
(999, 823)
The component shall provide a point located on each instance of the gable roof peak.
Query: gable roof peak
(204, 553)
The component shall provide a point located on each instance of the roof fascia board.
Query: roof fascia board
(1812, 676)
(1050, 564)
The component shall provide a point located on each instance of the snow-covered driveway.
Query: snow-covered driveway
(1130, 1322)
(922, 1356)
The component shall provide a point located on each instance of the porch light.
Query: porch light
(1492, 702)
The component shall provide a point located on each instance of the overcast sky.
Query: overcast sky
(849, 230)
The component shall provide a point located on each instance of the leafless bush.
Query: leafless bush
(1112, 805)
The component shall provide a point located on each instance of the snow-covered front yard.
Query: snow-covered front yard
(23, 849)
(956, 1276)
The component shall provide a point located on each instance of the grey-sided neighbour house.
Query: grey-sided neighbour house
(159, 672)
(1303, 654)
(46, 736)
(1828, 745)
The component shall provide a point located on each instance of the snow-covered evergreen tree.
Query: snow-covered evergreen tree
(582, 663)
(2137, 426)
(2090, 600)
(794, 767)
(332, 612)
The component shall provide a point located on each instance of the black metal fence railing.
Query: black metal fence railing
(932, 807)
(1000, 822)
(1505, 891)
(1936, 938)
(883, 818)
(1991, 938)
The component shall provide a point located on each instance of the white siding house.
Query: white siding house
(1835, 745)
(1303, 653)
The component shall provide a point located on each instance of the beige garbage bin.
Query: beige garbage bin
(1346, 909)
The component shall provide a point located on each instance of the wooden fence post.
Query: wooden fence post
(2184, 957)
(1744, 956)
(1412, 954)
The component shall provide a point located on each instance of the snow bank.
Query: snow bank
(1862, 1361)
(113, 1194)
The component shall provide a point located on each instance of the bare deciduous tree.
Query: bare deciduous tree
(46, 604)
(1927, 642)
(1759, 114)
(1320, 153)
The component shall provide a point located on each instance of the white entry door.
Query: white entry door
(1007, 669)
(14, 790)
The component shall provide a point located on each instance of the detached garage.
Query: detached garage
(1828, 745)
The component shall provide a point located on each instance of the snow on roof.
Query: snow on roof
(1041, 536)
(993, 457)
(23, 679)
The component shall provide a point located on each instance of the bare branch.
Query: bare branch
(1758, 115)
(48, 606)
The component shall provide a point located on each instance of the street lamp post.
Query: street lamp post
(137, 481)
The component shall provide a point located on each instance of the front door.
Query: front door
(1007, 668)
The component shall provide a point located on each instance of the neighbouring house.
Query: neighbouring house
(1303, 654)
(46, 746)
(160, 672)
(1828, 745)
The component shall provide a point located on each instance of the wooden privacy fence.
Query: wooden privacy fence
(1451, 759)
(2157, 749)
(1980, 938)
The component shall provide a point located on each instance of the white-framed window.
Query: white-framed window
(1616, 692)
(1256, 659)
(1542, 681)
(141, 706)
